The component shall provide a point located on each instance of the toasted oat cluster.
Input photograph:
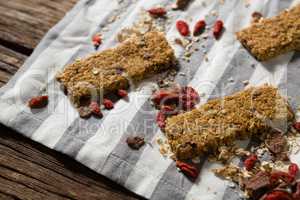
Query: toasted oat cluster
(271, 37)
(221, 121)
(113, 69)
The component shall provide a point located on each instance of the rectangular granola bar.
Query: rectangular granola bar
(221, 121)
(113, 69)
(271, 37)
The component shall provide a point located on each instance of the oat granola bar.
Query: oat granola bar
(271, 37)
(221, 121)
(113, 69)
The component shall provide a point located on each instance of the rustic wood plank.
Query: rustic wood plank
(26, 21)
(29, 170)
(10, 62)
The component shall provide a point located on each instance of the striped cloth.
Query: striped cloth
(100, 144)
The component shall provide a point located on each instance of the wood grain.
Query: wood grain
(29, 170)
(24, 22)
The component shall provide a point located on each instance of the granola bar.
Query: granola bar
(271, 37)
(221, 121)
(113, 69)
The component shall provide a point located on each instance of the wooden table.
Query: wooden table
(29, 170)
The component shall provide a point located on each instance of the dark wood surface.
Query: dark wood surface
(29, 170)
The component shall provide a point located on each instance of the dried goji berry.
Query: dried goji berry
(183, 28)
(168, 110)
(297, 126)
(199, 27)
(278, 195)
(187, 169)
(190, 94)
(162, 97)
(97, 40)
(38, 102)
(95, 108)
(161, 120)
(217, 29)
(108, 104)
(157, 12)
(122, 93)
(293, 169)
(250, 162)
(279, 175)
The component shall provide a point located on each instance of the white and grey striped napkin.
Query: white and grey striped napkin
(100, 143)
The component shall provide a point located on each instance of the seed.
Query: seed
(135, 143)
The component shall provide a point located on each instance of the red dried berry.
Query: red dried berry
(293, 169)
(95, 108)
(157, 12)
(108, 104)
(297, 126)
(183, 28)
(97, 40)
(38, 102)
(161, 120)
(168, 110)
(190, 94)
(189, 170)
(249, 163)
(278, 195)
(122, 93)
(162, 97)
(199, 27)
(279, 175)
(217, 29)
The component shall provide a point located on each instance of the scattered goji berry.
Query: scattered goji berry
(188, 105)
(38, 102)
(97, 40)
(278, 195)
(250, 162)
(122, 93)
(217, 29)
(95, 108)
(168, 110)
(279, 175)
(108, 104)
(161, 120)
(199, 27)
(183, 28)
(190, 94)
(157, 12)
(162, 97)
(293, 169)
(189, 170)
(297, 126)
(135, 142)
